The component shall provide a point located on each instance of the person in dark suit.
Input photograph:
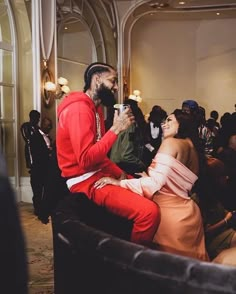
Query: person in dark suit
(37, 154)
(154, 133)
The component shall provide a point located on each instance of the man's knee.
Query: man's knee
(151, 211)
(155, 212)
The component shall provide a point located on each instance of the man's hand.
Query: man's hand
(122, 121)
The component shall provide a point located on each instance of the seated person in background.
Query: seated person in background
(82, 146)
(218, 221)
(169, 180)
(153, 134)
(228, 156)
(127, 151)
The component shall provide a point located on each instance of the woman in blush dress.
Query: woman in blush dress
(169, 181)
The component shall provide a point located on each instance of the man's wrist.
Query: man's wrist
(115, 130)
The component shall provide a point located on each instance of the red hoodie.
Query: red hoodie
(77, 149)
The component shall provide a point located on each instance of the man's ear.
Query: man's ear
(98, 79)
(95, 80)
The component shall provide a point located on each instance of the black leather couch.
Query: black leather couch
(92, 255)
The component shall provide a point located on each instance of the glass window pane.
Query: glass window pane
(5, 31)
(6, 103)
(7, 146)
(5, 66)
(7, 139)
(10, 162)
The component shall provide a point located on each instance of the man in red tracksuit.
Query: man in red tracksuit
(82, 147)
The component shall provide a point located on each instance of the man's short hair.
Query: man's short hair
(94, 68)
(34, 115)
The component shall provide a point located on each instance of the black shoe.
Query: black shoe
(36, 212)
(44, 219)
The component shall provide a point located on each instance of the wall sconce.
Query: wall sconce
(136, 96)
(49, 90)
(59, 90)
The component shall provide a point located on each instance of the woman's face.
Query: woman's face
(170, 126)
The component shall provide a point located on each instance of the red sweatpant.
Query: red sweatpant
(144, 213)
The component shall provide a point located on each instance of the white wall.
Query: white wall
(177, 60)
(216, 64)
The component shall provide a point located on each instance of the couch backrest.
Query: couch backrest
(88, 260)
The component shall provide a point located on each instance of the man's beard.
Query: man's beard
(106, 95)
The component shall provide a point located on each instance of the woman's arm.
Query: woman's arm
(147, 185)
(220, 224)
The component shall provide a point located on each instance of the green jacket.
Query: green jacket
(128, 147)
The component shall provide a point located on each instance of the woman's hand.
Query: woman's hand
(123, 176)
(228, 217)
(142, 174)
(106, 181)
(211, 229)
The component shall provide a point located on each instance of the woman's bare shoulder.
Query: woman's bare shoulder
(169, 146)
(178, 148)
(170, 142)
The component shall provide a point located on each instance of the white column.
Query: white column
(47, 15)
(36, 55)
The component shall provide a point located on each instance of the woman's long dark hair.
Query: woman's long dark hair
(138, 114)
(188, 129)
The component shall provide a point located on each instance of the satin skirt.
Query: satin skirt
(181, 228)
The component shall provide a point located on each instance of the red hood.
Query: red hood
(72, 98)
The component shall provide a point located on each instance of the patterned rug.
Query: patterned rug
(39, 247)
